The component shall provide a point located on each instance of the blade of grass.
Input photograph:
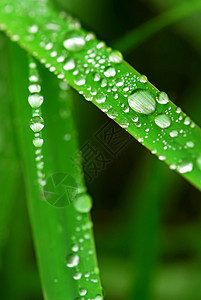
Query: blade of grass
(60, 232)
(137, 36)
(162, 128)
(9, 168)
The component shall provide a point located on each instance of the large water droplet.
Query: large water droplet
(74, 42)
(83, 203)
(35, 100)
(199, 162)
(72, 260)
(142, 101)
(36, 124)
(162, 121)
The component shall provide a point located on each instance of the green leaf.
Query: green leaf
(62, 231)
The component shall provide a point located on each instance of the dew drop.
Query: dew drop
(36, 124)
(82, 292)
(80, 81)
(115, 57)
(143, 78)
(38, 142)
(162, 98)
(142, 101)
(100, 98)
(83, 203)
(35, 100)
(69, 64)
(190, 144)
(185, 167)
(34, 88)
(110, 72)
(162, 120)
(174, 133)
(72, 260)
(77, 275)
(74, 42)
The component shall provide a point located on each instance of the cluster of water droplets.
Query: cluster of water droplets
(82, 250)
(124, 95)
(36, 123)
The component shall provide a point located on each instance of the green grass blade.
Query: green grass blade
(139, 35)
(61, 229)
(9, 165)
(106, 80)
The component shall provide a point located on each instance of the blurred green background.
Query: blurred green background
(147, 219)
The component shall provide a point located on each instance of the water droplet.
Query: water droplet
(80, 81)
(83, 203)
(187, 121)
(77, 276)
(174, 133)
(110, 72)
(36, 124)
(115, 57)
(82, 292)
(97, 77)
(35, 100)
(162, 121)
(98, 297)
(69, 64)
(38, 142)
(34, 88)
(190, 144)
(72, 260)
(143, 79)
(74, 42)
(33, 29)
(100, 98)
(142, 101)
(162, 98)
(185, 167)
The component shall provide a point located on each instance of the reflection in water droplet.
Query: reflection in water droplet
(69, 64)
(142, 101)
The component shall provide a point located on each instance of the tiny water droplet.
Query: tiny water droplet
(82, 292)
(143, 78)
(142, 101)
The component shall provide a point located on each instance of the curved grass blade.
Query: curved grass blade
(139, 35)
(102, 76)
(58, 211)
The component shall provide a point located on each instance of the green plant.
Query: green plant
(102, 76)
